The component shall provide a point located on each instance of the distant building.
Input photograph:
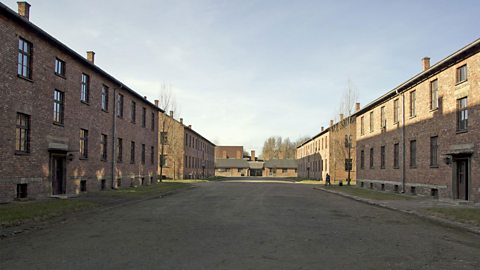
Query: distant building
(225, 152)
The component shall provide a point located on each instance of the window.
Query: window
(413, 153)
(119, 150)
(434, 151)
(396, 156)
(24, 68)
(383, 121)
(371, 158)
(152, 155)
(120, 105)
(22, 191)
(163, 138)
(22, 133)
(362, 127)
(284, 170)
(103, 147)
(83, 143)
(371, 121)
(412, 104)
(153, 121)
(133, 111)
(462, 74)
(132, 152)
(434, 95)
(58, 106)
(144, 117)
(104, 98)
(85, 88)
(382, 157)
(362, 159)
(396, 111)
(462, 114)
(59, 67)
(143, 153)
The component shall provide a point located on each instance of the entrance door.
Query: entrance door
(462, 179)
(58, 174)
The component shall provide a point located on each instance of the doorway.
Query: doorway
(461, 179)
(58, 172)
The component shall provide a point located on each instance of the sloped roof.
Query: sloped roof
(281, 164)
(231, 163)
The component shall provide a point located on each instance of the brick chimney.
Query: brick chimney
(331, 123)
(341, 116)
(252, 155)
(357, 106)
(24, 9)
(181, 121)
(171, 113)
(426, 63)
(190, 126)
(156, 102)
(322, 128)
(91, 57)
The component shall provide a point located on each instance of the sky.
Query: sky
(244, 70)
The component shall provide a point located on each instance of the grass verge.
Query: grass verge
(465, 215)
(368, 194)
(18, 212)
(185, 181)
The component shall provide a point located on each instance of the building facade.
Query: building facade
(313, 155)
(423, 136)
(226, 152)
(66, 125)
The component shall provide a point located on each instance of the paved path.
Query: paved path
(231, 225)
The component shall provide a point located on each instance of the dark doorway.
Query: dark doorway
(461, 182)
(255, 172)
(58, 169)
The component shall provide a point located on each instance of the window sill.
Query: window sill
(103, 159)
(434, 166)
(58, 124)
(434, 110)
(458, 83)
(83, 158)
(20, 153)
(60, 75)
(25, 78)
(462, 131)
(413, 167)
(412, 116)
(396, 168)
(105, 111)
(85, 102)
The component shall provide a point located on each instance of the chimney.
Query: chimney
(171, 113)
(321, 129)
(91, 57)
(24, 9)
(145, 97)
(331, 123)
(341, 116)
(190, 126)
(156, 102)
(181, 121)
(357, 106)
(252, 155)
(426, 63)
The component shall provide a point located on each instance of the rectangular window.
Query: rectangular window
(119, 150)
(58, 98)
(83, 143)
(144, 117)
(413, 153)
(143, 154)
(133, 111)
(362, 127)
(132, 152)
(382, 157)
(371, 158)
(85, 88)
(22, 133)
(383, 121)
(22, 191)
(120, 105)
(413, 108)
(24, 68)
(153, 121)
(396, 156)
(462, 74)
(103, 147)
(59, 67)
(434, 151)
(371, 122)
(163, 138)
(434, 95)
(104, 98)
(152, 155)
(396, 111)
(462, 114)
(362, 159)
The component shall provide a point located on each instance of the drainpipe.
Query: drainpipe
(114, 135)
(403, 143)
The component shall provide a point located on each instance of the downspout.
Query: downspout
(114, 136)
(403, 143)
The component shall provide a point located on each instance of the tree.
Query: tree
(276, 147)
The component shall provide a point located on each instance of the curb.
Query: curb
(431, 218)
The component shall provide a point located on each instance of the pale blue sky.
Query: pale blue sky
(245, 70)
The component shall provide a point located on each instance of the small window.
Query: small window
(284, 170)
(371, 121)
(59, 67)
(462, 114)
(413, 101)
(132, 152)
(22, 133)
(144, 117)
(22, 191)
(462, 74)
(153, 121)
(152, 155)
(83, 186)
(133, 111)
(396, 156)
(434, 151)
(143, 154)
(239, 170)
(120, 106)
(58, 99)
(396, 111)
(413, 153)
(434, 95)
(103, 147)
(382, 157)
(362, 127)
(24, 68)
(83, 143)
(371, 158)
(85, 88)
(383, 121)
(362, 159)
(119, 149)
(104, 98)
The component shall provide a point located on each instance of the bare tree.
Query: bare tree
(276, 147)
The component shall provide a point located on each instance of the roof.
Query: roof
(281, 164)
(231, 163)
(314, 137)
(256, 164)
(443, 64)
(28, 24)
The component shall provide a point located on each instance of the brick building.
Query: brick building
(312, 156)
(423, 136)
(186, 153)
(66, 125)
(224, 152)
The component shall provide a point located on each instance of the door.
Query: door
(58, 174)
(462, 179)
